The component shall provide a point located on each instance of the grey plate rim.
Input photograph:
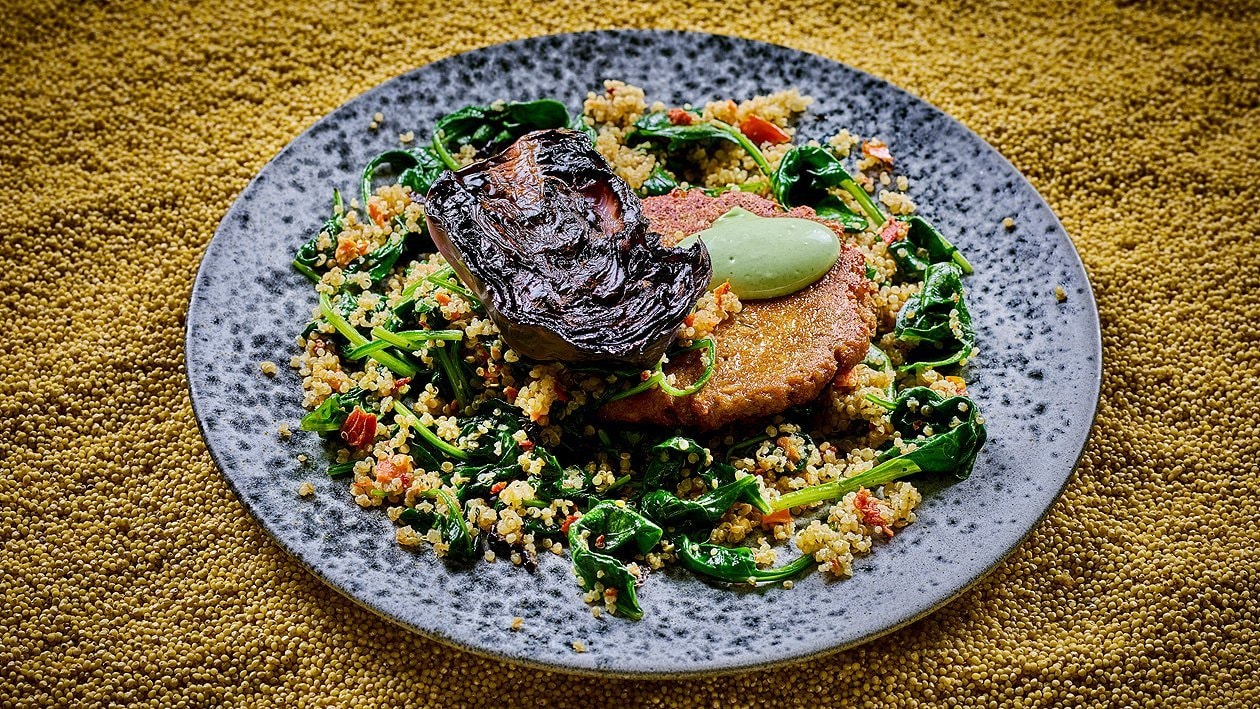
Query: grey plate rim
(765, 663)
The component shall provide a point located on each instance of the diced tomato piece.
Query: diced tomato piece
(497, 487)
(510, 394)
(877, 149)
(527, 445)
(442, 298)
(348, 250)
(774, 519)
(376, 212)
(568, 521)
(359, 428)
(690, 320)
(894, 230)
(872, 515)
(846, 380)
(680, 117)
(721, 291)
(761, 131)
(387, 470)
(789, 449)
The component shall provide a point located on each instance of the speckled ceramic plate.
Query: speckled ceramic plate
(1037, 379)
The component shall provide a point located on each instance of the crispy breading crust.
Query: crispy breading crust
(776, 353)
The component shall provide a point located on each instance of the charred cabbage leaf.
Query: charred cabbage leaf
(557, 248)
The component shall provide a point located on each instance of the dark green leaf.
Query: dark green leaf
(557, 482)
(486, 466)
(946, 432)
(310, 259)
(666, 509)
(378, 262)
(733, 565)
(659, 182)
(805, 175)
(489, 129)
(333, 411)
(420, 176)
(668, 458)
(658, 126)
(579, 124)
(605, 530)
(936, 321)
(922, 247)
(455, 531)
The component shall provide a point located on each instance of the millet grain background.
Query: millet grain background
(130, 574)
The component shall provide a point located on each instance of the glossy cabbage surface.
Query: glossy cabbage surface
(557, 248)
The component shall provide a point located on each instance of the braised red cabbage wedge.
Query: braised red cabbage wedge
(557, 248)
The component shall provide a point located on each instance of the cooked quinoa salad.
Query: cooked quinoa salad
(665, 433)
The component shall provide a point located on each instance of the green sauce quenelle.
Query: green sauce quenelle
(766, 257)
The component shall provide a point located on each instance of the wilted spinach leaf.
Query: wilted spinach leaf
(936, 321)
(659, 182)
(605, 530)
(946, 434)
(666, 509)
(805, 175)
(309, 256)
(922, 247)
(732, 564)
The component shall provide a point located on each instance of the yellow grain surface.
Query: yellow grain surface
(130, 574)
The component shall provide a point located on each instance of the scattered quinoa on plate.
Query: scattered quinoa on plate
(641, 336)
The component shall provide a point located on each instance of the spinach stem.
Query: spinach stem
(711, 349)
(356, 339)
(357, 353)
(384, 335)
(440, 148)
(643, 386)
(962, 262)
(785, 572)
(305, 270)
(864, 200)
(340, 470)
(449, 361)
(885, 472)
(658, 376)
(880, 402)
(454, 288)
(410, 420)
(393, 157)
(747, 145)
